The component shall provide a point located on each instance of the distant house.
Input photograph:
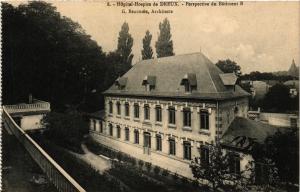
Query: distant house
(293, 86)
(168, 110)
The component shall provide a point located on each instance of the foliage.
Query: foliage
(141, 163)
(217, 172)
(148, 166)
(164, 44)
(65, 129)
(125, 42)
(45, 60)
(157, 170)
(258, 76)
(280, 147)
(228, 66)
(147, 52)
(278, 99)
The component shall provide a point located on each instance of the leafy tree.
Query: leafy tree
(280, 148)
(164, 44)
(60, 64)
(228, 66)
(66, 129)
(217, 172)
(147, 52)
(125, 43)
(278, 99)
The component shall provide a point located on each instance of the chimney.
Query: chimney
(30, 98)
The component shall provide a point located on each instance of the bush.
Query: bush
(148, 166)
(141, 163)
(165, 172)
(175, 176)
(157, 170)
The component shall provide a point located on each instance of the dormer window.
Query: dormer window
(229, 80)
(189, 81)
(121, 83)
(149, 82)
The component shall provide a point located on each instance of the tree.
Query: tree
(65, 129)
(283, 146)
(45, 60)
(125, 43)
(217, 172)
(278, 99)
(147, 52)
(228, 66)
(164, 44)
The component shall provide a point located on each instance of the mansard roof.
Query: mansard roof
(169, 73)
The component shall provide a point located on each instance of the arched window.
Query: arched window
(146, 112)
(172, 115)
(126, 109)
(118, 131)
(136, 137)
(110, 107)
(118, 108)
(126, 134)
(136, 110)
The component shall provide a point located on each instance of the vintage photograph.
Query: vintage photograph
(150, 96)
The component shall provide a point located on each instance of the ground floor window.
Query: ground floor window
(187, 150)
(147, 140)
(136, 137)
(110, 130)
(204, 155)
(127, 134)
(158, 143)
(118, 132)
(172, 146)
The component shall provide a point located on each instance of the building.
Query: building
(293, 70)
(165, 111)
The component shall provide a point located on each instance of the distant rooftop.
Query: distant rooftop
(167, 76)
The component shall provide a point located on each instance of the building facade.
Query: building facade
(166, 111)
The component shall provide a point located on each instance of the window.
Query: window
(110, 130)
(187, 150)
(94, 125)
(158, 143)
(204, 155)
(147, 140)
(136, 110)
(118, 132)
(172, 146)
(204, 120)
(118, 108)
(146, 112)
(187, 86)
(126, 109)
(101, 127)
(186, 117)
(172, 118)
(136, 137)
(234, 163)
(110, 107)
(127, 134)
(158, 113)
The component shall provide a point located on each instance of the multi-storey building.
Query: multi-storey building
(165, 111)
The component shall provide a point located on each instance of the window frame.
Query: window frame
(118, 104)
(158, 113)
(127, 134)
(172, 113)
(111, 131)
(172, 146)
(146, 112)
(204, 155)
(187, 115)
(136, 136)
(118, 131)
(187, 155)
(158, 142)
(147, 134)
(136, 109)
(204, 120)
(110, 107)
(127, 109)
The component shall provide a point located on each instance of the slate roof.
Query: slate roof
(228, 78)
(169, 72)
(243, 132)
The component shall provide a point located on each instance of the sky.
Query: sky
(259, 36)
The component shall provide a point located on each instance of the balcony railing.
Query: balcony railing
(23, 107)
(59, 177)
